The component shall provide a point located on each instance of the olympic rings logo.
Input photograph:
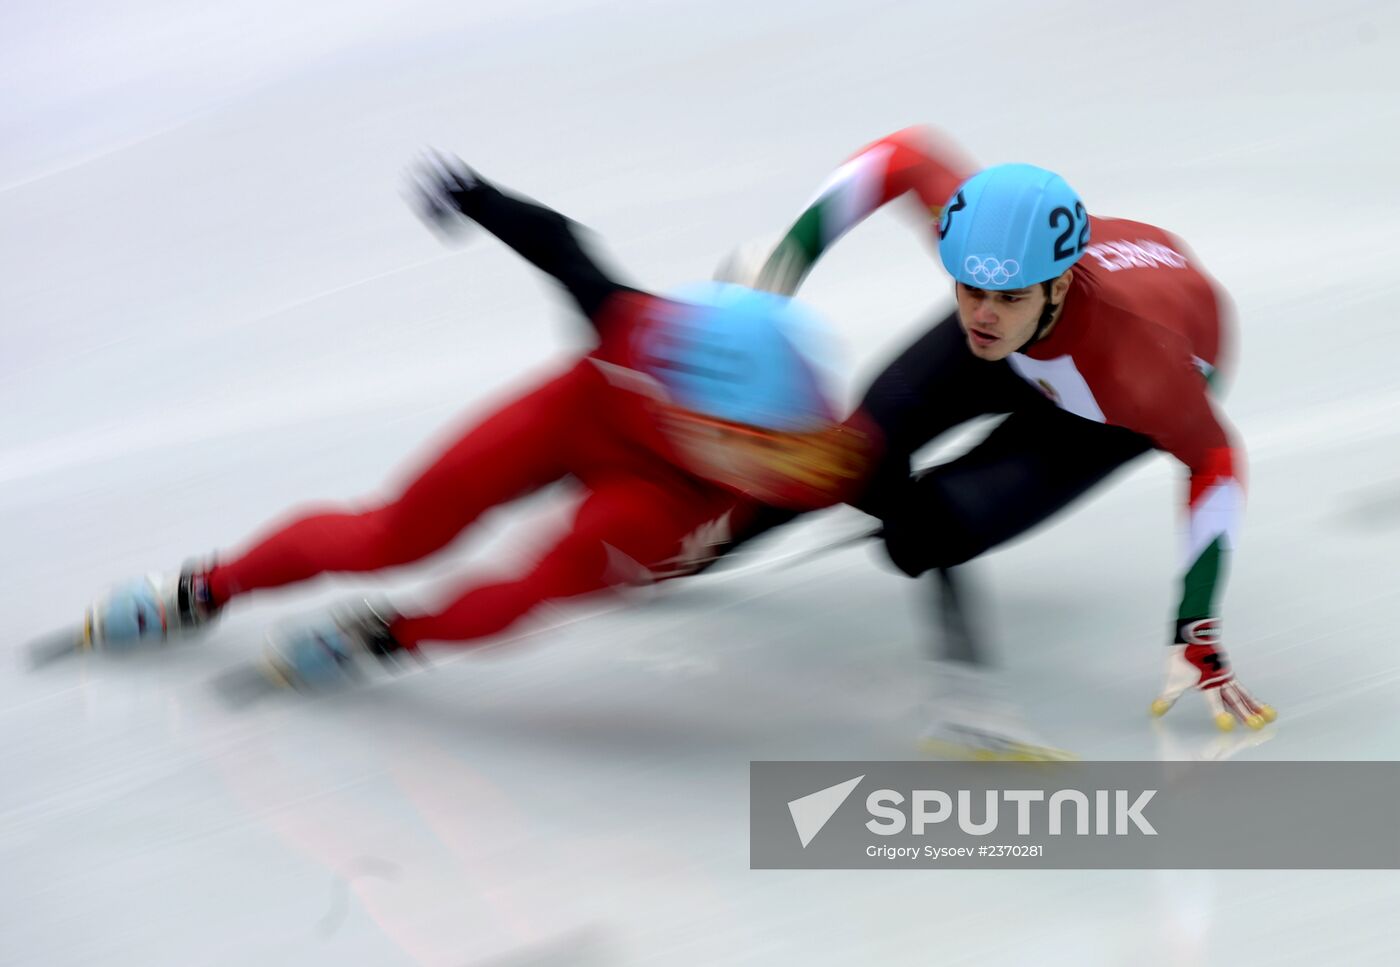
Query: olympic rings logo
(989, 270)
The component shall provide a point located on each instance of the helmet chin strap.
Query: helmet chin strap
(1047, 318)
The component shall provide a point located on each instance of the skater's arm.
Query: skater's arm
(1177, 412)
(1214, 512)
(540, 235)
(545, 238)
(915, 160)
(1197, 436)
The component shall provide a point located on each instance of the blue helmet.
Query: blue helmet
(739, 355)
(1011, 226)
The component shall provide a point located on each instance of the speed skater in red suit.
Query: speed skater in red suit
(691, 411)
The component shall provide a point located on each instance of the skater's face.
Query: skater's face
(998, 323)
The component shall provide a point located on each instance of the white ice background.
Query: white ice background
(214, 305)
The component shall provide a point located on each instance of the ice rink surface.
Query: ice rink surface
(215, 306)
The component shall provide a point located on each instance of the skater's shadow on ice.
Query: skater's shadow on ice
(1175, 746)
(617, 710)
(586, 725)
(1377, 507)
(174, 660)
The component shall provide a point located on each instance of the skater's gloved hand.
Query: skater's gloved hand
(1195, 661)
(438, 187)
(762, 265)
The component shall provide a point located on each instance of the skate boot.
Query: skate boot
(972, 720)
(330, 652)
(149, 610)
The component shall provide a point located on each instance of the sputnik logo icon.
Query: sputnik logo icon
(811, 812)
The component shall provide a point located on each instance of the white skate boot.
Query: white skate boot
(971, 719)
(149, 610)
(329, 652)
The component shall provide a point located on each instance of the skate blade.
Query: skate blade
(998, 750)
(242, 686)
(54, 647)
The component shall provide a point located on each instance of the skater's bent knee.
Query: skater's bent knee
(922, 538)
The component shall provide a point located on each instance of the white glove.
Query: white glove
(1203, 666)
(761, 265)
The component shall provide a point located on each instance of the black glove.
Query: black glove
(439, 191)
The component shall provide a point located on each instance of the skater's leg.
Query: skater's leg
(519, 448)
(625, 532)
(1038, 461)
(960, 634)
(932, 386)
(1029, 468)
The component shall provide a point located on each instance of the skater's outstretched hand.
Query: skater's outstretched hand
(436, 185)
(447, 194)
(763, 265)
(1201, 665)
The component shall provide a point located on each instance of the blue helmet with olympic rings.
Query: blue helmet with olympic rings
(1011, 226)
(735, 354)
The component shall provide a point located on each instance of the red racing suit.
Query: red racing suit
(644, 514)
